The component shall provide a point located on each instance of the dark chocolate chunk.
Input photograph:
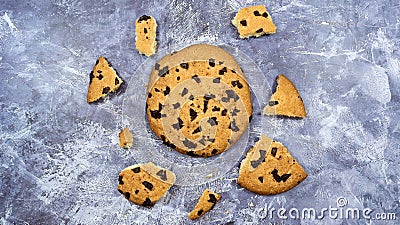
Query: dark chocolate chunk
(196, 78)
(214, 151)
(156, 114)
(216, 108)
(200, 212)
(116, 82)
(193, 114)
(212, 199)
(220, 62)
(177, 70)
(259, 30)
(106, 90)
(237, 83)
(176, 105)
(157, 66)
(178, 78)
(120, 191)
(197, 130)
(127, 195)
(147, 202)
(216, 80)
(184, 91)
(178, 125)
(149, 95)
(191, 97)
(250, 118)
(213, 121)
(145, 30)
(164, 71)
(273, 151)
(261, 179)
(205, 106)
(120, 181)
(257, 13)
(222, 71)
(189, 144)
(243, 22)
(156, 90)
(167, 90)
(162, 174)
(278, 178)
(209, 96)
(148, 185)
(211, 62)
(91, 76)
(233, 126)
(235, 111)
(136, 169)
(100, 76)
(265, 14)
(272, 103)
(185, 65)
(223, 113)
(191, 153)
(136, 191)
(202, 140)
(144, 18)
(255, 163)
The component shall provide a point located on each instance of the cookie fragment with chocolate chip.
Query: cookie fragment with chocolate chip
(145, 184)
(104, 79)
(254, 21)
(270, 169)
(205, 203)
(286, 101)
(125, 138)
(146, 27)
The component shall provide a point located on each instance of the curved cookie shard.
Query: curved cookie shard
(269, 169)
(214, 55)
(199, 109)
(254, 21)
(146, 27)
(205, 203)
(145, 184)
(104, 79)
(286, 100)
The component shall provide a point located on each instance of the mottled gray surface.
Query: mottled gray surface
(59, 156)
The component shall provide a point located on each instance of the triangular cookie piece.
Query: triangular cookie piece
(103, 80)
(269, 168)
(286, 100)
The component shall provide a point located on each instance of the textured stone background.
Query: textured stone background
(59, 157)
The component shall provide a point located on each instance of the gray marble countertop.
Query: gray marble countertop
(59, 156)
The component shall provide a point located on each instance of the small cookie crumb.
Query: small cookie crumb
(125, 138)
(254, 21)
(205, 203)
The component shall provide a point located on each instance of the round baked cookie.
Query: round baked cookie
(145, 184)
(199, 108)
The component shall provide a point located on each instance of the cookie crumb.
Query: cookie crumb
(125, 138)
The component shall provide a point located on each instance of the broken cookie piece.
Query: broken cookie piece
(206, 202)
(269, 168)
(254, 21)
(146, 35)
(286, 100)
(103, 80)
(145, 184)
(125, 138)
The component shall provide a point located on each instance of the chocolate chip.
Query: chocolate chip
(184, 65)
(157, 66)
(120, 181)
(136, 169)
(209, 96)
(223, 113)
(215, 109)
(197, 130)
(235, 111)
(237, 83)
(99, 71)
(259, 30)
(191, 153)
(116, 82)
(214, 151)
(176, 105)
(243, 22)
(156, 114)
(145, 30)
(196, 78)
(205, 107)
(233, 126)
(156, 90)
(178, 125)
(127, 195)
(178, 78)
(184, 91)
(255, 163)
(212, 121)
(167, 90)
(177, 70)
(272, 103)
(149, 95)
(216, 80)
(144, 18)
(148, 185)
(136, 191)
(211, 62)
(162, 174)
(273, 151)
(257, 13)
(163, 72)
(265, 14)
(250, 118)
(147, 202)
(278, 178)
(200, 212)
(91, 76)
(212, 199)
(193, 114)
(191, 97)
(261, 179)
(189, 144)
(222, 71)
(106, 90)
